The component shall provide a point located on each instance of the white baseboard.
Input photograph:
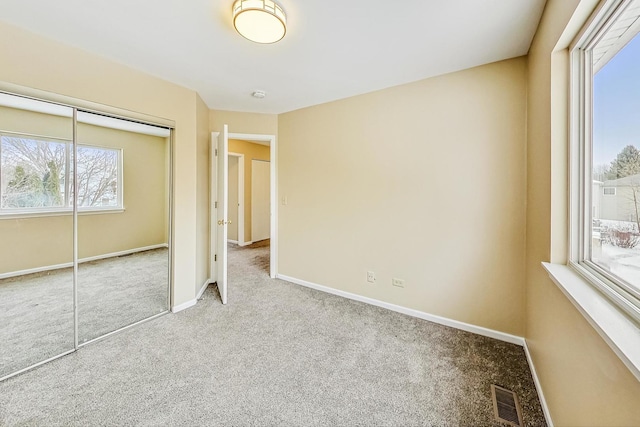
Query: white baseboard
(184, 305)
(35, 270)
(235, 242)
(81, 260)
(203, 288)
(536, 380)
(121, 253)
(194, 301)
(502, 336)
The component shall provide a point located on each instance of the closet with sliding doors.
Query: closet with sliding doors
(85, 223)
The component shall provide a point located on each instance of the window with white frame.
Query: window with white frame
(36, 175)
(605, 244)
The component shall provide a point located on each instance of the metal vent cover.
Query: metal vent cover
(506, 407)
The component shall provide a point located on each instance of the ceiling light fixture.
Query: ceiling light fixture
(261, 21)
(259, 94)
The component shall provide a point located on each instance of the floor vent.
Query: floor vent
(505, 406)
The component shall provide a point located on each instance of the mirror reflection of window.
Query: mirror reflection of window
(122, 172)
(36, 231)
(109, 188)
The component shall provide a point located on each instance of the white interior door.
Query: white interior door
(223, 204)
(260, 200)
(213, 207)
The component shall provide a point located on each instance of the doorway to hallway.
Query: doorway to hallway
(248, 149)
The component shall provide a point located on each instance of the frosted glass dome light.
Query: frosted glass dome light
(261, 21)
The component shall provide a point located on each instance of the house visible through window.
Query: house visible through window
(607, 100)
(36, 176)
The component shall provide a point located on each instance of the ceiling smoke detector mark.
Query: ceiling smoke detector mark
(505, 406)
(259, 94)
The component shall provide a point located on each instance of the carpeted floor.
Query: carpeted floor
(36, 310)
(277, 355)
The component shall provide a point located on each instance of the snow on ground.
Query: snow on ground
(622, 262)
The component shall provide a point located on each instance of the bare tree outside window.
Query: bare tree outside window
(36, 174)
(97, 177)
(33, 173)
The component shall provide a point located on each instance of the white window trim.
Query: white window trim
(13, 213)
(615, 318)
(62, 212)
(624, 295)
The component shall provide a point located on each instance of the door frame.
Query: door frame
(240, 219)
(271, 141)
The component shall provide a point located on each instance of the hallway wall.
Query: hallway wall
(251, 151)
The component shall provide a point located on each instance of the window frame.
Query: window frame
(67, 209)
(625, 296)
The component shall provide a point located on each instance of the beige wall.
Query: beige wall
(36, 62)
(251, 151)
(143, 221)
(46, 241)
(584, 382)
(424, 182)
(256, 123)
(30, 122)
(233, 184)
(202, 193)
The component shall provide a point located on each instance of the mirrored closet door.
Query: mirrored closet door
(84, 228)
(36, 232)
(123, 218)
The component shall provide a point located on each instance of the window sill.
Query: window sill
(620, 332)
(24, 215)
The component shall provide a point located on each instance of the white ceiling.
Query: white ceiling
(333, 48)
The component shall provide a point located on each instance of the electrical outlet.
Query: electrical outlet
(371, 277)
(397, 282)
